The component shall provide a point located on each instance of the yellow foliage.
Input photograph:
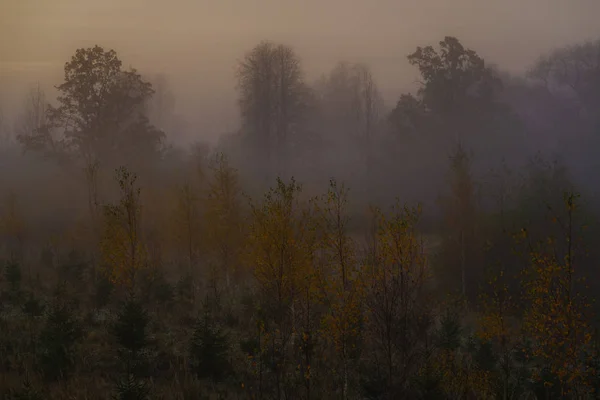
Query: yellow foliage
(460, 377)
(281, 246)
(555, 317)
(494, 325)
(277, 241)
(122, 248)
(401, 255)
(224, 219)
(343, 287)
(397, 299)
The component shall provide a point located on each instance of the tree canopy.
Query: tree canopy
(100, 116)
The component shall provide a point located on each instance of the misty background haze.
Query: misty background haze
(334, 199)
(197, 44)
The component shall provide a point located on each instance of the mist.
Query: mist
(197, 43)
(294, 200)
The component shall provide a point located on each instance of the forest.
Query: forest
(332, 247)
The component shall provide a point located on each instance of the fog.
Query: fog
(197, 47)
(276, 199)
(197, 43)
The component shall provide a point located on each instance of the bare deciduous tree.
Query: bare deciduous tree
(352, 106)
(272, 100)
(368, 107)
(33, 117)
(572, 69)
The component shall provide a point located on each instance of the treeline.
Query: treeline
(339, 125)
(279, 298)
(213, 273)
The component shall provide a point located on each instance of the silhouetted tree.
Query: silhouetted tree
(34, 114)
(457, 86)
(570, 81)
(272, 98)
(408, 117)
(352, 108)
(208, 350)
(57, 339)
(100, 115)
(574, 70)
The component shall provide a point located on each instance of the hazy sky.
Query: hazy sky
(196, 43)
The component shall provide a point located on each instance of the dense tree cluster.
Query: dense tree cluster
(247, 271)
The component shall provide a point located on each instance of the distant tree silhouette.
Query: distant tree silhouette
(34, 113)
(100, 115)
(455, 81)
(352, 106)
(272, 100)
